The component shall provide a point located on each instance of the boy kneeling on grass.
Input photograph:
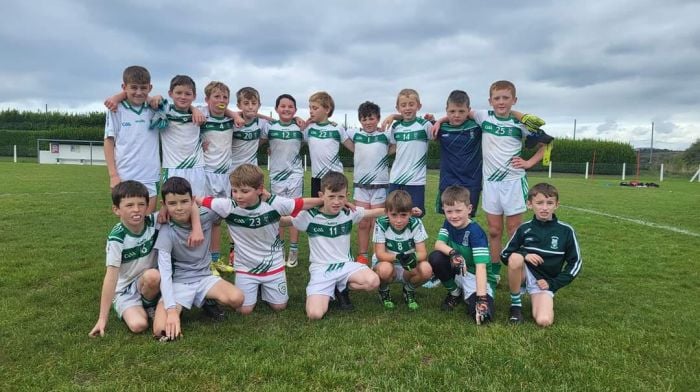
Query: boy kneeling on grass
(549, 249)
(186, 278)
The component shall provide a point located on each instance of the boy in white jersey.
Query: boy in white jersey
(131, 282)
(131, 148)
(217, 134)
(324, 139)
(254, 224)
(286, 171)
(186, 279)
(370, 170)
(410, 135)
(244, 147)
(399, 246)
(505, 181)
(332, 268)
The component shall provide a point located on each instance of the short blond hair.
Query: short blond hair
(136, 74)
(455, 194)
(247, 175)
(325, 100)
(248, 93)
(502, 85)
(214, 85)
(408, 93)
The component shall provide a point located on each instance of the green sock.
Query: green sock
(293, 247)
(215, 256)
(450, 285)
(383, 287)
(515, 299)
(364, 254)
(496, 268)
(409, 286)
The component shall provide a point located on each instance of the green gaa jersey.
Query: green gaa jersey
(180, 142)
(402, 241)
(411, 139)
(324, 141)
(285, 143)
(329, 235)
(131, 252)
(371, 160)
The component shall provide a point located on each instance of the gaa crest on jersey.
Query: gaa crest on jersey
(465, 238)
(555, 242)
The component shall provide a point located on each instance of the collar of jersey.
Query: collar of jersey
(129, 106)
(544, 223)
(407, 123)
(254, 206)
(510, 117)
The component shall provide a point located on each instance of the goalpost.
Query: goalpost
(696, 176)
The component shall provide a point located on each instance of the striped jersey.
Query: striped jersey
(402, 241)
(324, 141)
(470, 242)
(244, 147)
(136, 146)
(259, 249)
(460, 155)
(131, 252)
(501, 141)
(371, 161)
(217, 132)
(285, 143)
(411, 139)
(554, 241)
(329, 235)
(180, 142)
(185, 265)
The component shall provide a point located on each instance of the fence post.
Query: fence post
(550, 169)
(624, 169)
(586, 170)
(661, 173)
(14, 153)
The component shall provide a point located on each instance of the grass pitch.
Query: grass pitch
(628, 322)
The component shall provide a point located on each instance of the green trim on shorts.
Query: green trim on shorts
(525, 188)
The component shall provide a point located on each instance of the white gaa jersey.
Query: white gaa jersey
(329, 235)
(180, 142)
(403, 241)
(501, 140)
(244, 148)
(324, 141)
(285, 144)
(255, 230)
(135, 145)
(217, 133)
(371, 161)
(411, 139)
(131, 252)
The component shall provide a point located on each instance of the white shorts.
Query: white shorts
(504, 197)
(290, 188)
(373, 197)
(468, 284)
(531, 286)
(398, 270)
(127, 298)
(195, 176)
(188, 294)
(325, 279)
(218, 185)
(152, 188)
(273, 288)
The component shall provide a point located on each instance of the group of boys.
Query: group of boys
(210, 172)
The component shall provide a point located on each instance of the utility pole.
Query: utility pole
(574, 129)
(651, 150)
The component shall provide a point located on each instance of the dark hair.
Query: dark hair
(136, 74)
(129, 188)
(544, 188)
(182, 80)
(283, 96)
(398, 201)
(176, 186)
(334, 182)
(247, 175)
(455, 194)
(367, 109)
(458, 97)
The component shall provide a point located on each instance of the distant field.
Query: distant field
(629, 322)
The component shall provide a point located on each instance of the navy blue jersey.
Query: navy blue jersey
(460, 155)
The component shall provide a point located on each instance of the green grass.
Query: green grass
(628, 322)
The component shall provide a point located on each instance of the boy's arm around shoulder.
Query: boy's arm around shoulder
(374, 212)
(109, 286)
(572, 264)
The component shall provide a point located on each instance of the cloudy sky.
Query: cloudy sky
(613, 66)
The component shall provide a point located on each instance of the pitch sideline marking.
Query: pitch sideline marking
(637, 221)
(45, 193)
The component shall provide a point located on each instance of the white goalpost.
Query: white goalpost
(696, 176)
